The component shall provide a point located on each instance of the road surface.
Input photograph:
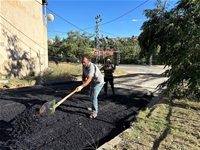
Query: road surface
(23, 128)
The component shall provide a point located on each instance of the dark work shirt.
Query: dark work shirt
(108, 71)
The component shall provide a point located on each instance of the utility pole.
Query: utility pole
(98, 19)
(150, 60)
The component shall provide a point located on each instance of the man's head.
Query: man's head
(108, 61)
(85, 61)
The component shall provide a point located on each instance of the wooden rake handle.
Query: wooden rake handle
(66, 97)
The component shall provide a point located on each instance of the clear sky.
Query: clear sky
(120, 18)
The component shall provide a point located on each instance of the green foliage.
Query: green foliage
(76, 45)
(71, 48)
(173, 38)
(129, 50)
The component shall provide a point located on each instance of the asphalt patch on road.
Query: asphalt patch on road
(22, 127)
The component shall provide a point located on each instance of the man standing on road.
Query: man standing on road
(108, 69)
(91, 75)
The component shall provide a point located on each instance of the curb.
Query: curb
(111, 143)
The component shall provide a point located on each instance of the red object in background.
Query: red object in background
(106, 52)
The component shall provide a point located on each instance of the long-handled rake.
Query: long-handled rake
(50, 107)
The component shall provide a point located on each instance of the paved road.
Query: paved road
(141, 77)
(141, 68)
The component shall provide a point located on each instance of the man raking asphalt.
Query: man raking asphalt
(90, 75)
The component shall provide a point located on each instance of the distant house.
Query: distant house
(23, 37)
(106, 52)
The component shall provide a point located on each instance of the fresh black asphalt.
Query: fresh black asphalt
(69, 128)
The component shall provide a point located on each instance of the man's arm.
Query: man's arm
(114, 66)
(102, 69)
(79, 88)
(83, 77)
(85, 80)
(89, 79)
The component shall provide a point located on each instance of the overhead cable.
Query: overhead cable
(99, 24)
(120, 16)
(62, 17)
(21, 32)
(125, 13)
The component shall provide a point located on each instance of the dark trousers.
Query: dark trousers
(110, 80)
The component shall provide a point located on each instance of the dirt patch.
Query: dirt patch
(22, 127)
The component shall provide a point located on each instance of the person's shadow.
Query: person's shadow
(5, 130)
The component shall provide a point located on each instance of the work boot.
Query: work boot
(93, 115)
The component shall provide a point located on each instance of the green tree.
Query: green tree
(53, 49)
(79, 44)
(129, 51)
(72, 48)
(128, 47)
(57, 39)
(175, 36)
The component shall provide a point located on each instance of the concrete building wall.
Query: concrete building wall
(23, 38)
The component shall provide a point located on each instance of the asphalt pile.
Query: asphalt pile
(22, 127)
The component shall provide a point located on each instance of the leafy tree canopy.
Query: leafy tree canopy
(173, 37)
(77, 44)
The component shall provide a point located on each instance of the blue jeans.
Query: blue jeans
(94, 92)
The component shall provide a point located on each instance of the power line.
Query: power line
(21, 32)
(121, 15)
(110, 33)
(62, 18)
(58, 31)
(63, 33)
(125, 13)
(19, 38)
(99, 24)
(73, 24)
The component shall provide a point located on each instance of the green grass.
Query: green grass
(168, 125)
(65, 70)
(62, 71)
